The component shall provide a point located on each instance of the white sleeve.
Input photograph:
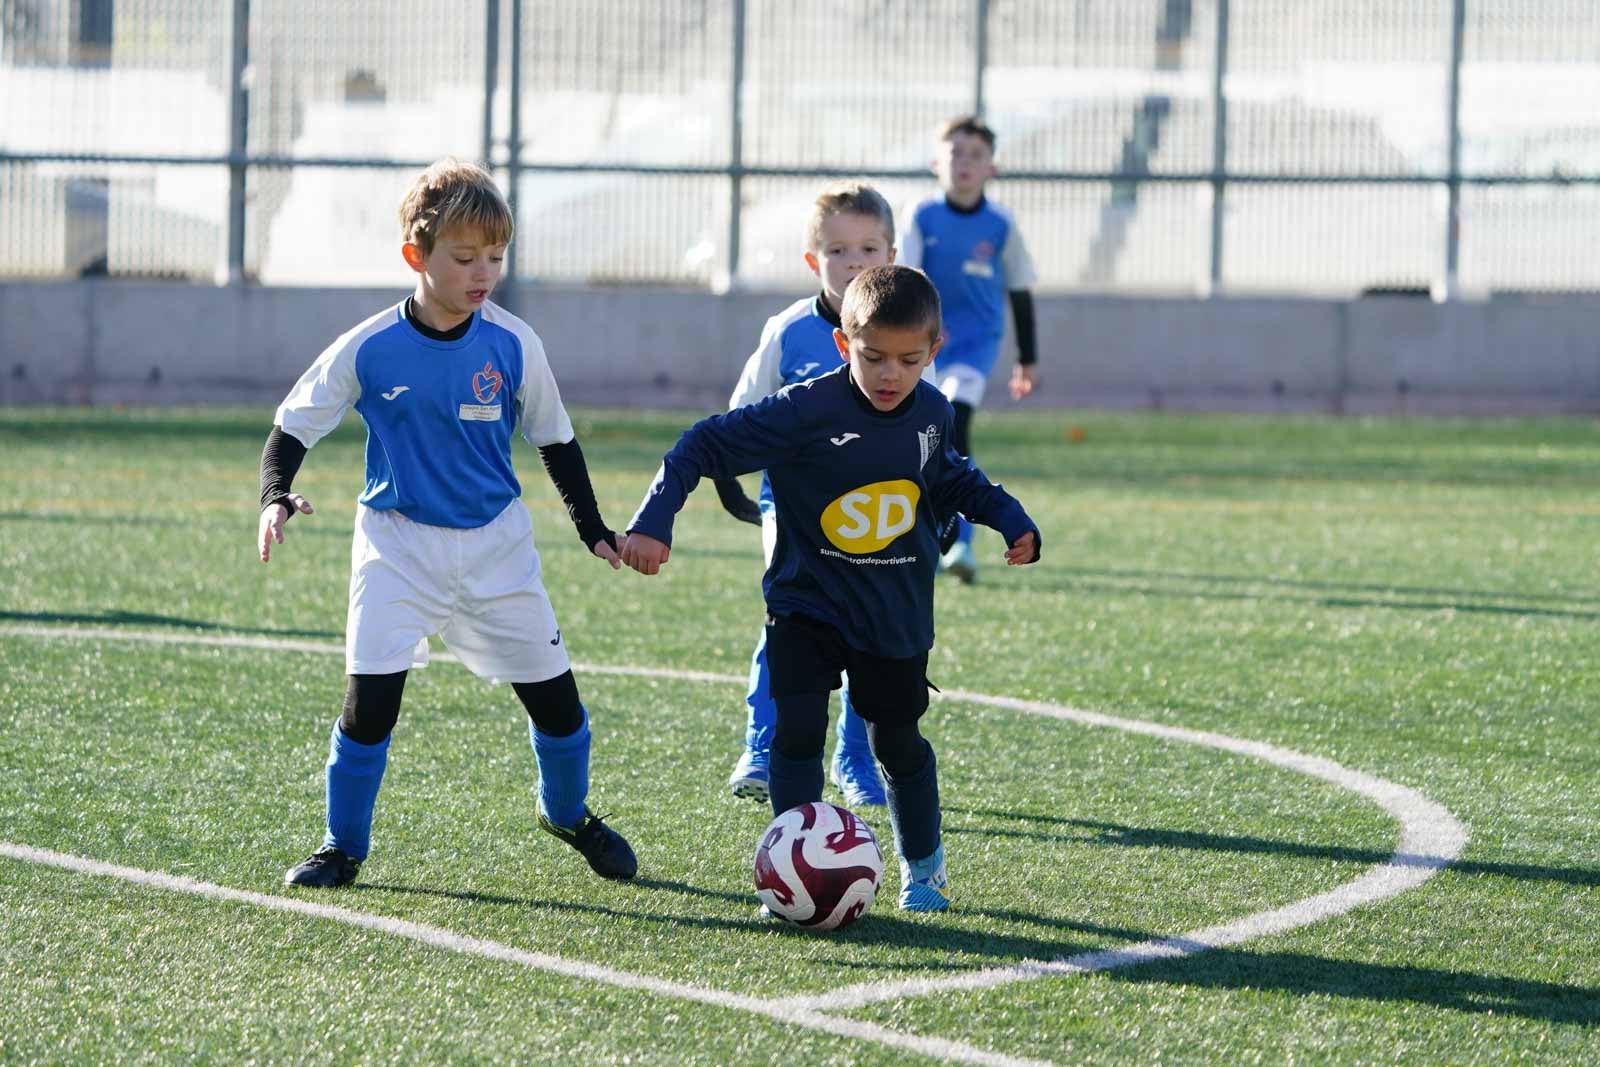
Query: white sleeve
(329, 388)
(1015, 261)
(908, 251)
(544, 419)
(762, 375)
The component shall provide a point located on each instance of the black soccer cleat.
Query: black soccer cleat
(607, 851)
(326, 868)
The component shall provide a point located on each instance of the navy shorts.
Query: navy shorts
(805, 656)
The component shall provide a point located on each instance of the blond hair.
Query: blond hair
(847, 198)
(454, 194)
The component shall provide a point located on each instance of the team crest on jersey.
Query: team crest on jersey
(981, 263)
(928, 442)
(486, 383)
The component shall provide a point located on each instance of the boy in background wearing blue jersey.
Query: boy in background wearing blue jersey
(861, 467)
(969, 246)
(851, 228)
(443, 542)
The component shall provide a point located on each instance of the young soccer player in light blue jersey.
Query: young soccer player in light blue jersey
(443, 542)
(861, 468)
(971, 249)
(850, 228)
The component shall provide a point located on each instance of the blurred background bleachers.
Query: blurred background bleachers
(630, 165)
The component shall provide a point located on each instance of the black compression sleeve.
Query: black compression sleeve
(280, 462)
(1022, 311)
(564, 463)
(735, 502)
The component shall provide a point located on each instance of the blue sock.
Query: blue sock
(852, 729)
(791, 782)
(354, 773)
(563, 772)
(965, 536)
(763, 717)
(914, 810)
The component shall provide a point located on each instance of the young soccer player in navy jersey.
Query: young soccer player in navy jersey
(443, 542)
(861, 467)
(971, 249)
(851, 228)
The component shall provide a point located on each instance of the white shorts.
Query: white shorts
(962, 384)
(479, 589)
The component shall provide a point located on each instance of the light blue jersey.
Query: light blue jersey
(440, 414)
(974, 258)
(796, 346)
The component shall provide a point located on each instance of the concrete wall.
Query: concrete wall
(105, 342)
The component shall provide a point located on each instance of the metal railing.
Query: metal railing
(1177, 122)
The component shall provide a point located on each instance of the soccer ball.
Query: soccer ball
(818, 866)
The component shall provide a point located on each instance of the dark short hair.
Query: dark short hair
(967, 124)
(893, 296)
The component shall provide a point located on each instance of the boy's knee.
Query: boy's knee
(371, 706)
(901, 749)
(802, 727)
(552, 704)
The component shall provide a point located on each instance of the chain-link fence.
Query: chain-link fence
(1177, 146)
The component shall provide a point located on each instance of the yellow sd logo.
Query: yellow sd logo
(867, 519)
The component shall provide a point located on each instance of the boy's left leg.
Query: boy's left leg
(892, 695)
(912, 773)
(558, 727)
(855, 770)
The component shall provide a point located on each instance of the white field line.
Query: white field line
(1431, 837)
(440, 938)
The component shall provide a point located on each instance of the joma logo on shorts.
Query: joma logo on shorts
(867, 519)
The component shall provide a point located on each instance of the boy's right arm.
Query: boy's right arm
(280, 461)
(313, 408)
(908, 250)
(746, 439)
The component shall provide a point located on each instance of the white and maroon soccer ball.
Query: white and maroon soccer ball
(818, 866)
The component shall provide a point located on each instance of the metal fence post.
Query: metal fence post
(980, 36)
(491, 72)
(736, 144)
(238, 138)
(1452, 224)
(1219, 148)
(514, 151)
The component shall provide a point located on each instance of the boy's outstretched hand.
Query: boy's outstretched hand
(644, 553)
(273, 516)
(1023, 550)
(1023, 379)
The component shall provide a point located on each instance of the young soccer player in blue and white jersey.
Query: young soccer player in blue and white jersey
(443, 542)
(861, 468)
(851, 228)
(971, 249)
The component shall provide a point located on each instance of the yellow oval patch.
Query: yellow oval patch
(867, 519)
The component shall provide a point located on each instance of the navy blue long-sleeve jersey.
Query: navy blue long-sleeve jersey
(857, 491)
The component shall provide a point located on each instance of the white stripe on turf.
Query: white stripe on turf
(439, 938)
(1430, 836)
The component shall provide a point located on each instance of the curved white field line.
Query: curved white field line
(1431, 837)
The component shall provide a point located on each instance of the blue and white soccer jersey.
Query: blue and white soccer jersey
(974, 259)
(443, 544)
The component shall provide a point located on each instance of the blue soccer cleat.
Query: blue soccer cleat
(749, 777)
(961, 562)
(856, 775)
(928, 893)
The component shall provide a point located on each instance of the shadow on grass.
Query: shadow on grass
(890, 931)
(137, 618)
(1301, 975)
(1117, 835)
(1183, 587)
